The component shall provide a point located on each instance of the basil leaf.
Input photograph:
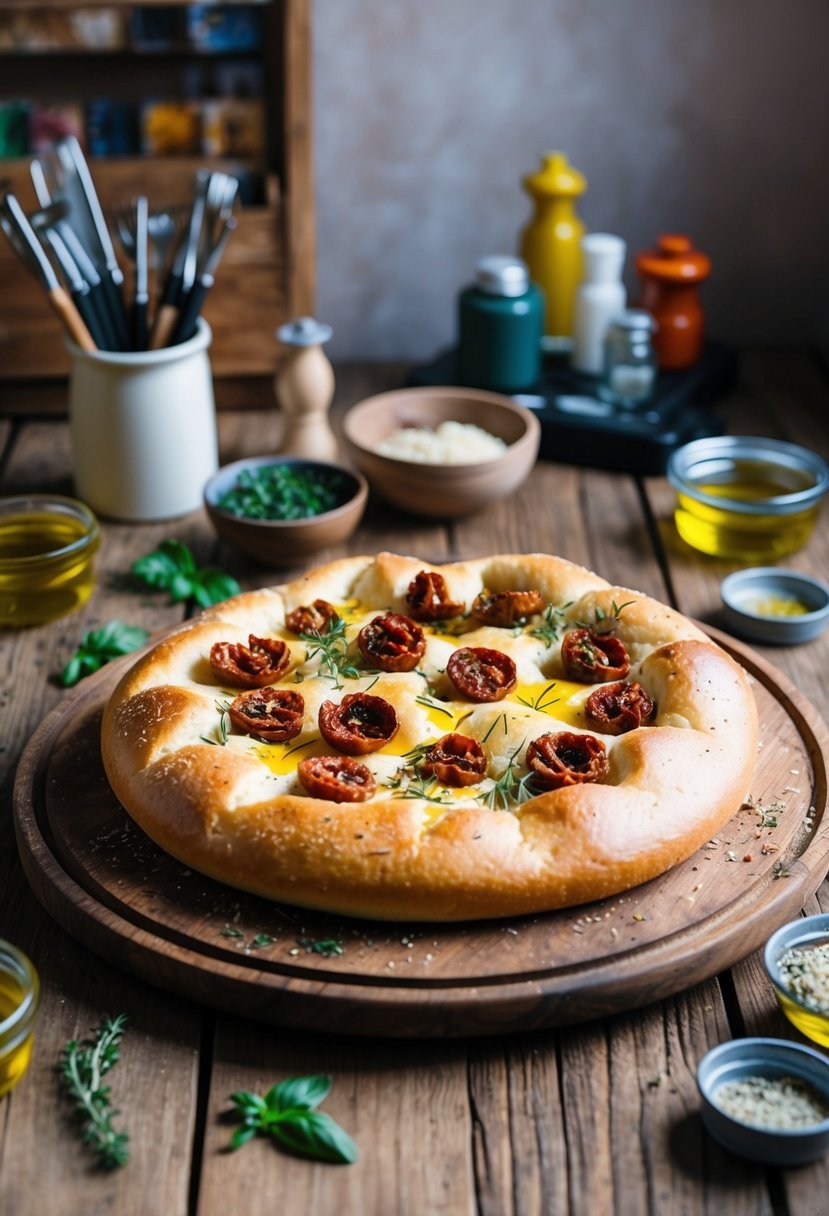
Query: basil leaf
(213, 586)
(180, 587)
(315, 1134)
(171, 567)
(100, 646)
(298, 1093)
(241, 1136)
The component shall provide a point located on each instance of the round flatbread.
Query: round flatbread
(528, 738)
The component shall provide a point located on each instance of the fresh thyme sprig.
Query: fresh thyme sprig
(509, 789)
(552, 623)
(224, 709)
(540, 704)
(288, 1113)
(83, 1066)
(606, 622)
(332, 648)
(431, 703)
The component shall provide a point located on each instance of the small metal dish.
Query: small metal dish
(808, 931)
(771, 1058)
(745, 593)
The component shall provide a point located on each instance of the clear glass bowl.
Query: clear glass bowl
(746, 498)
(804, 933)
(19, 1001)
(47, 549)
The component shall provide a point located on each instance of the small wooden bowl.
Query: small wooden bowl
(278, 542)
(442, 490)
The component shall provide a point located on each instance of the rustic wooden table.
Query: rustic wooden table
(596, 1118)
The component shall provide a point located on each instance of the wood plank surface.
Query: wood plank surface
(601, 1118)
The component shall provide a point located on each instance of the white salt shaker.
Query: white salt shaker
(600, 297)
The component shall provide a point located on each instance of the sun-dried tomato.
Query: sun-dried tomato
(617, 708)
(274, 714)
(455, 760)
(392, 642)
(360, 723)
(504, 608)
(261, 662)
(429, 600)
(336, 778)
(311, 618)
(593, 658)
(480, 673)
(566, 758)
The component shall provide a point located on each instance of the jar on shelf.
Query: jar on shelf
(500, 324)
(630, 361)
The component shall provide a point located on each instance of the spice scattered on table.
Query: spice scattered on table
(783, 1103)
(805, 972)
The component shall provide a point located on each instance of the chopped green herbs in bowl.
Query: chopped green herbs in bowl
(283, 491)
(279, 509)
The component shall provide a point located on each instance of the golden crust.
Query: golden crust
(236, 811)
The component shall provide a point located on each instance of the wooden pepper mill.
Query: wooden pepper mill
(671, 275)
(304, 387)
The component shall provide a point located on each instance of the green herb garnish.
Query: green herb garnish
(552, 623)
(540, 703)
(288, 1113)
(83, 1066)
(172, 568)
(509, 789)
(101, 646)
(224, 709)
(283, 491)
(327, 946)
(605, 622)
(332, 648)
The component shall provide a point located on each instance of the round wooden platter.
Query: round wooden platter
(105, 882)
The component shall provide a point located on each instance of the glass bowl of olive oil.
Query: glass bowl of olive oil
(746, 498)
(19, 1000)
(47, 548)
(796, 958)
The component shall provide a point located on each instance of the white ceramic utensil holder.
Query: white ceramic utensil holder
(143, 428)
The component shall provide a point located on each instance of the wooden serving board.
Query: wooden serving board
(114, 890)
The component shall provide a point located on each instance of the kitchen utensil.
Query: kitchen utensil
(205, 278)
(23, 240)
(48, 230)
(163, 227)
(186, 255)
(57, 213)
(304, 387)
(56, 179)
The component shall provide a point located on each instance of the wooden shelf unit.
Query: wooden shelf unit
(267, 273)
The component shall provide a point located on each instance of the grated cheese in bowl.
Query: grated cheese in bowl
(449, 443)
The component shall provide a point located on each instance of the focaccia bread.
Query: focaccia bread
(522, 736)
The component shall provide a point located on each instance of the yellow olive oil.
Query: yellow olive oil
(810, 1022)
(46, 566)
(754, 535)
(15, 1053)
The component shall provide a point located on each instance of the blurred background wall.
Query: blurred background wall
(709, 118)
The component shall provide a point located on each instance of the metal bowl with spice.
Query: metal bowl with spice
(766, 1099)
(797, 963)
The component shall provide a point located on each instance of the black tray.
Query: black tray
(577, 428)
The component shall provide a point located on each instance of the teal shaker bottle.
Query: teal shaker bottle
(501, 324)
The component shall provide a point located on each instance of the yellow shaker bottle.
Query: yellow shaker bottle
(551, 244)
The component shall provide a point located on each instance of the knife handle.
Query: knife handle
(71, 318)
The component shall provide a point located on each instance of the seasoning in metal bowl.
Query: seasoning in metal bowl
(783, 1103)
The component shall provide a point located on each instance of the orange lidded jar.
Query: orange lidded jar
(671, 275)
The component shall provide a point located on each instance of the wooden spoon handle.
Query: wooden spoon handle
(75, 325)
(165, 323)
